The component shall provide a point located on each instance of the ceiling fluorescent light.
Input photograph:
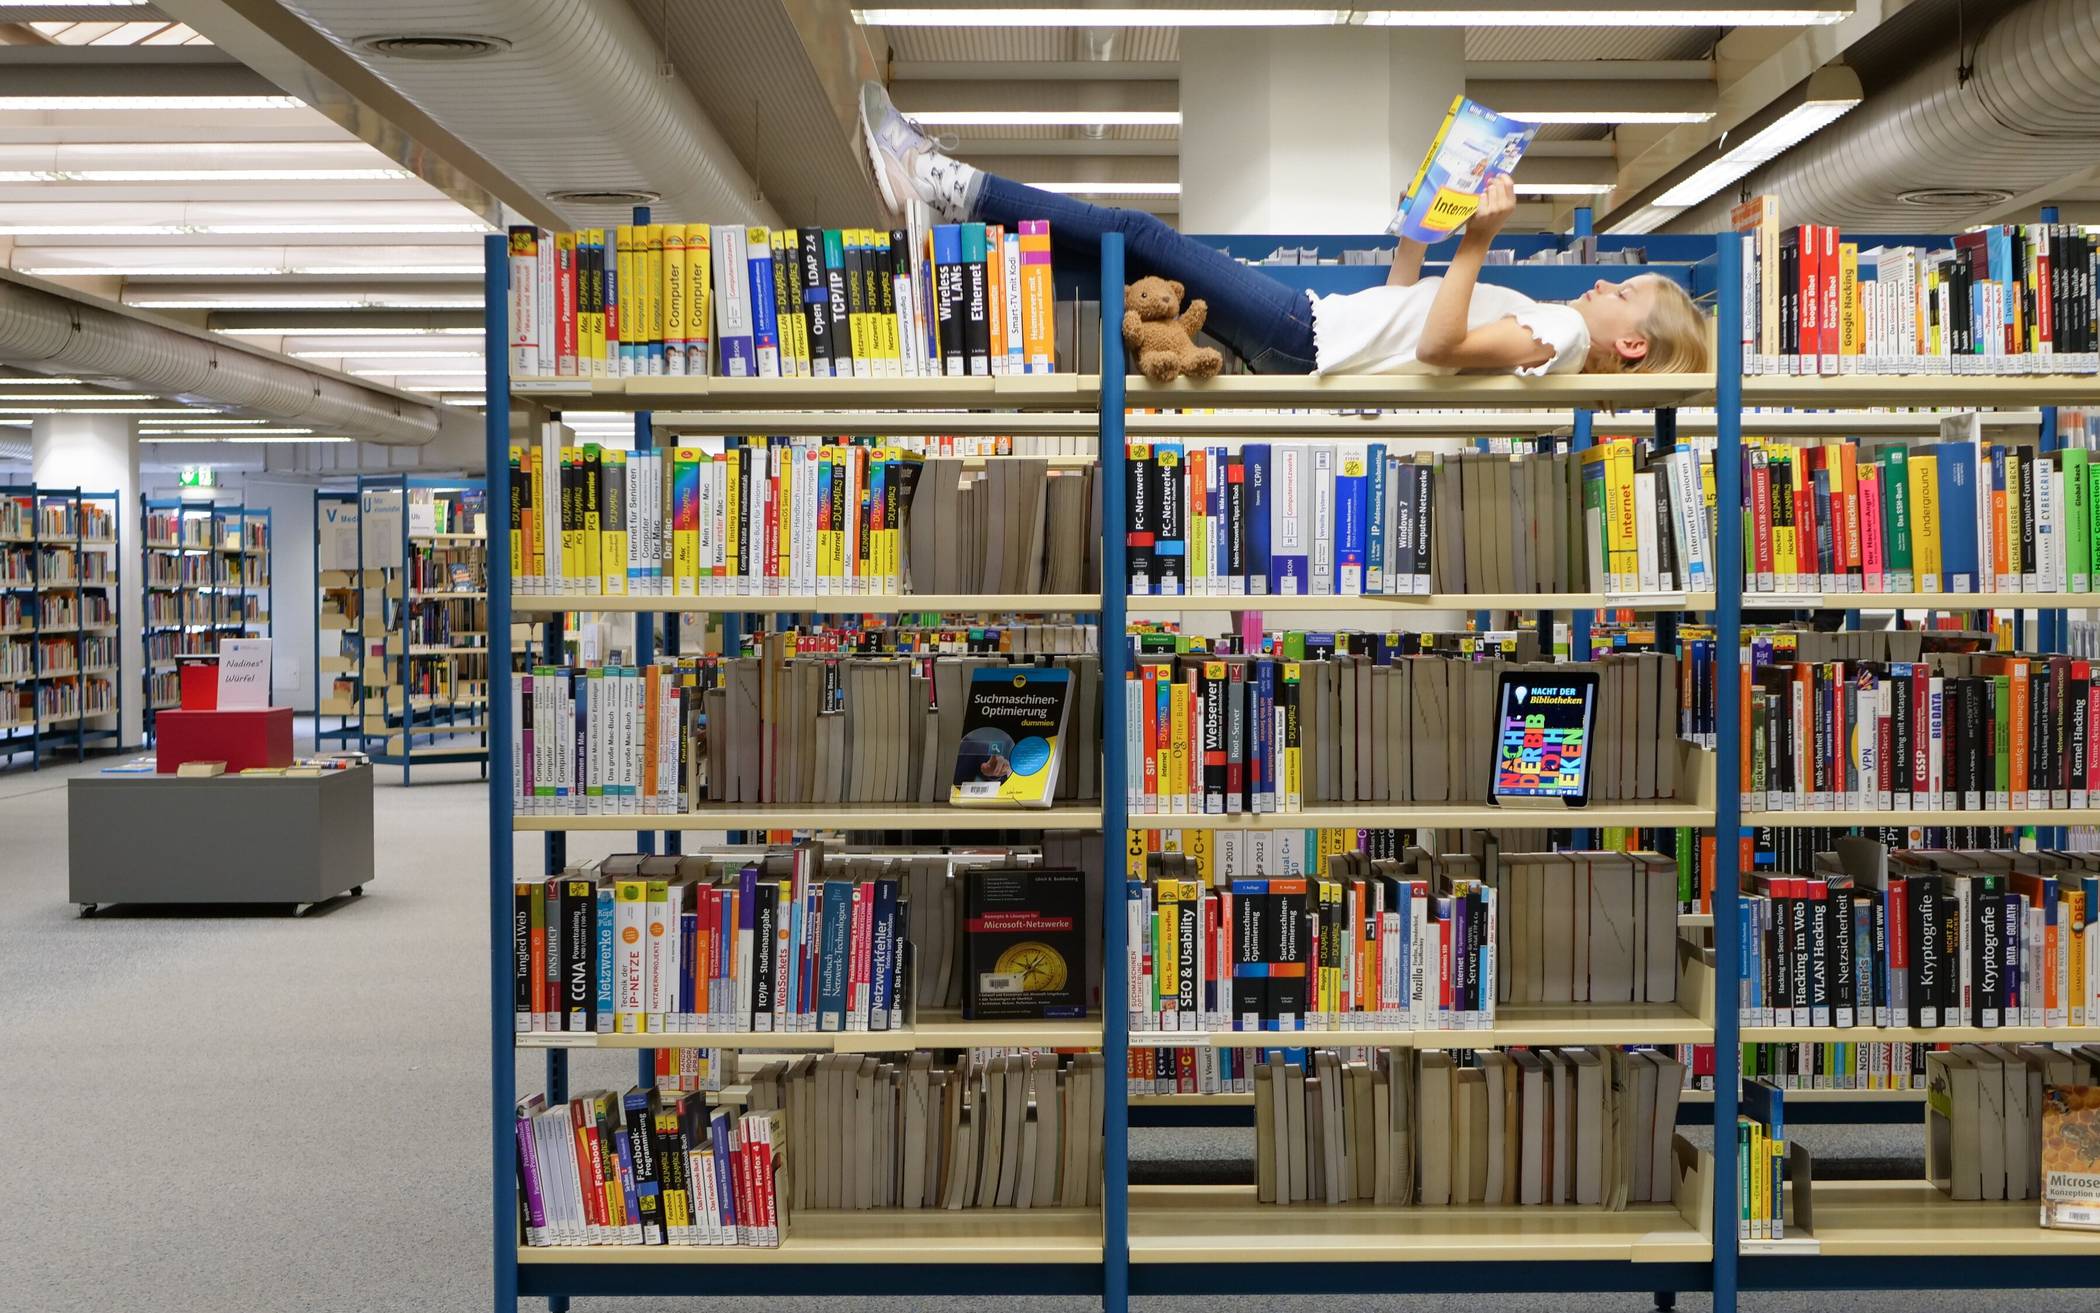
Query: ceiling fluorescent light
(48, 104)
(82, 396)
(1077, 17)
(245, 270)
(406, 372)
(95, 410)
(1828, 96)
(1562, 188)
(297, 301)
(1109, 188)
(248, 441)
(205, 433)
(384, 355)
(238, 229)
(1608, 116)
(1482, 13)
(203, 175)
(41, 382)
(349, 330)
(1049, 118)
(209, 421)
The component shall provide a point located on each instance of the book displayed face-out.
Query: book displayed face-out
(1542, 738)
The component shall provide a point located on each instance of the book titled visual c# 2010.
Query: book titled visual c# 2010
(1473, 148)
(1012, 724)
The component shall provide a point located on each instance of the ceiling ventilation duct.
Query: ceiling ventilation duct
(564, 95)
(1913, 156)
(50, 331)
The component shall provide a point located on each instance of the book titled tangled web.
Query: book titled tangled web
(1012, 722)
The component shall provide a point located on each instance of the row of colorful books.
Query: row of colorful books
(1923, 938)
(1959, 516)
(643, 1169)
(737, 301)
(767, 516)
(2002, 299)
(1951, 732)
(1362, 519)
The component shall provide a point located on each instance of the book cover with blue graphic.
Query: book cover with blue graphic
(1012, 722)
(1473, 148)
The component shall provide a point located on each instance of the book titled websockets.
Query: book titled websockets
(1012, 723)
(1026, 930)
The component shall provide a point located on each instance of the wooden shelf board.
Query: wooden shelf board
(2020, 816)
(447, 537)
(1432, 602)
(1920, 601)
(889, 1236)
(1383, 424)
(1825, 1096)
(1494, 392)
(446, 595)
(935, 1030)
(1695, 919)
(1515, 1023)
(1921, 390)
(1215, 1100)
(1432, 816)
(900, 423)
(936, 816)
(1910, 1219)
(1224, 1224)
(1920, 1034)
(831, 603)
(1021, 391)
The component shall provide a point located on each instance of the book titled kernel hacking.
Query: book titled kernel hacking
(1012, 722)
(1026, 934)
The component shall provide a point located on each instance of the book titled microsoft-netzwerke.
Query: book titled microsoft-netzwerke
(1012, 722)
(1473, 148)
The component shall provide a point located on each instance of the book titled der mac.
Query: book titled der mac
(1026, 932)
(1013, 720)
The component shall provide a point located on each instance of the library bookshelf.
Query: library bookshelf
(207, 578)
(60, 575)
(419, 635)
(338, 611)
(1213, 1240)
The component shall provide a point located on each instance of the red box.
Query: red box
(200, 685)
(241, 739)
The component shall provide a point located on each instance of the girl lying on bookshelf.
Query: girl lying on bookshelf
(1411, 325)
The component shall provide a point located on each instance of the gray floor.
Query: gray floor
(249, 1112)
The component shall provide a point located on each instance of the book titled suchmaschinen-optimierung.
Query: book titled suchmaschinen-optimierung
(1012, 722)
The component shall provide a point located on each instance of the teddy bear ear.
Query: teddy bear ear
(1179, 290)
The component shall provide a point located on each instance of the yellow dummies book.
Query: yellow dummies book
(1012, 724)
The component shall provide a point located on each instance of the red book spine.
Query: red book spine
(1827, 267)
(588, 1160)
(1921, 738)
(1443, 965)
(1235, 766)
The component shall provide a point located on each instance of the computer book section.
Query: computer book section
(207, 577)
(1463, 1027)
(59, 605)
(403, 587)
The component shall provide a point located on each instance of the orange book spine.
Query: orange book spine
(2020, 743)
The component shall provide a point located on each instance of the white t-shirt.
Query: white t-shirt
(1374, 331)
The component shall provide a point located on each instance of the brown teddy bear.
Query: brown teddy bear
(1160, 331)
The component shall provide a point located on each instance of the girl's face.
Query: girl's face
(1615, 313)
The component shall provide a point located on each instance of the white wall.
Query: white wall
(292, 580)
(99, 453)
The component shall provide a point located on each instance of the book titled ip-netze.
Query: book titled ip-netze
(1026, 933)
(1012, 723)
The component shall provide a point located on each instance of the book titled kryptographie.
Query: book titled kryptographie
(1012, 723)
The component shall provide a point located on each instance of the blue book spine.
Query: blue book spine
(1746, 961)
(765, 324)
(1214, 507)
(1254, 456)
(625, 1147)
(718, 1132)
(1349, 510)
(882, 955)
(604, 1000)
(688, 949)
(1958, 516)
(945, 314)
(831, 963)
(1997, 460)
(792, 986)
(1375, 564)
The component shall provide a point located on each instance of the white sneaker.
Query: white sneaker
(905, 159)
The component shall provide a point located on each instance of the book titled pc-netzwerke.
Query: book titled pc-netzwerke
(1012, 723)
(1026, 931)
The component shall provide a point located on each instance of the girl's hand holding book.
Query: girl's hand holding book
(1497, 203)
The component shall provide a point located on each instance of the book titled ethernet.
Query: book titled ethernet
(1012, 722)
(1473, 148)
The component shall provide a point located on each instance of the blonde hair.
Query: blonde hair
(1679, 337)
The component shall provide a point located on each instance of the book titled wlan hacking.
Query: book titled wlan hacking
(1012, 723)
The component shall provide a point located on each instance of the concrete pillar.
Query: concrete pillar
(99, 453)
(1309, 130)
(292, 595)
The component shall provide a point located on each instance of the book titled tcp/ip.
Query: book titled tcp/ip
(1011, 726)
(1473, 148)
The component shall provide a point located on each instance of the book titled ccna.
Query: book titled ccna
(1009, 755)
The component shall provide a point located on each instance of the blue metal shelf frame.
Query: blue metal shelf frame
(32, 738)
(352, 724)
(404, 664)
(1710, 268)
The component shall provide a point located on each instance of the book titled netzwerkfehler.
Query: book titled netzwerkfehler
(1013, 719)
(1473, 148)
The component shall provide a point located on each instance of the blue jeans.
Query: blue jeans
(1268, 323)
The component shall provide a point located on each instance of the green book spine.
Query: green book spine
(2001, 746)
(2078, 518)
(1895, 483)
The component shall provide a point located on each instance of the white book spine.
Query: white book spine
(524, 304)
(1645, 529)
(1322, 571)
